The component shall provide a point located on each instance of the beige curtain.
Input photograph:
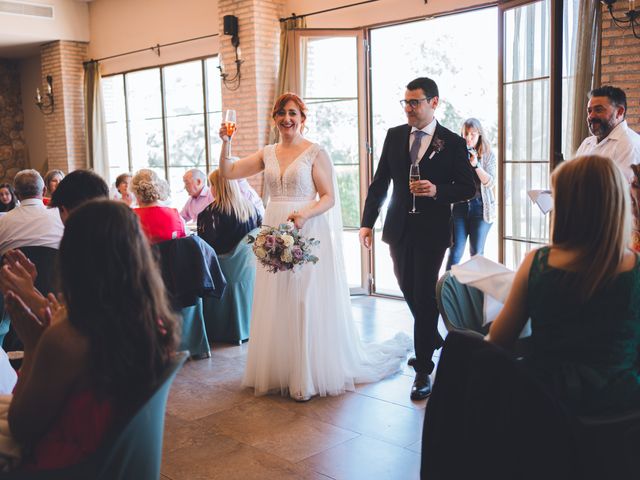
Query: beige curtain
(95, 124)
(292, 62)
(584, 68)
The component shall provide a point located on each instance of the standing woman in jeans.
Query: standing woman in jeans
(473, 218)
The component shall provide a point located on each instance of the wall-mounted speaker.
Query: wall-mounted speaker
(230, 25)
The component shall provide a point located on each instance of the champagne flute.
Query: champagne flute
(230, 123)
(414, 175)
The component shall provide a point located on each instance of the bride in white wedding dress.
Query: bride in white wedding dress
(303, 341)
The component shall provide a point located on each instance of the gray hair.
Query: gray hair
(197, 174)
(28, 184)
(148, 187)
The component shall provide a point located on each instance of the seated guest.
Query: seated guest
(195, 184)
(78, 187)
(31, 224)
(8, 200)
(581, 293)
(88, 362)
(51, 180)
(200, 196)
(159, 223)
(123, 182)
(229, 217)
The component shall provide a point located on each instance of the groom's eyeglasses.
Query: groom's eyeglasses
(414, 102)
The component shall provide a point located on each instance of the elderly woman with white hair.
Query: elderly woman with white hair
(159, 223)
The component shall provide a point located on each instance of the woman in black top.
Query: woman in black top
(229, 217)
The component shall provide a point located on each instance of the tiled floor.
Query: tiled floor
(215, 429)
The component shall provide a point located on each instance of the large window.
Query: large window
(331, 86)
(166, 119)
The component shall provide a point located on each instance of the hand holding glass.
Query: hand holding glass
(414, 176)
(230, 123)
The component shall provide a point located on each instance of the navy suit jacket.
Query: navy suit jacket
(446, 166)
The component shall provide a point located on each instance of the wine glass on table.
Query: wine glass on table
(414, 176)
(230, 123)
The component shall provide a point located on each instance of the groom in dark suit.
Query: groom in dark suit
(418, 242)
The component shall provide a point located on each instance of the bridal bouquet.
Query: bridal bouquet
(282, 248)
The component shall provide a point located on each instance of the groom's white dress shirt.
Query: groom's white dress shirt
(426, 139)
(30, 225)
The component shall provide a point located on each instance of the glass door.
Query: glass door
(525, 113)
(463, 63)
(332, 87)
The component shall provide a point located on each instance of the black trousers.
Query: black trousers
(416, 267)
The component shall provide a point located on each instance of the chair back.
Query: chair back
(190, 270)
(133, 451)
(228, 319)
(136, 451)
(460, 305)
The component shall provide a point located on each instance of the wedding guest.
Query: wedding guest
(581, 293)
(51, 180)
(158, 222)
(200, 195)
(31, 223)
(8, 200)
(78, 187)
(123, 184)
(229, 217)
(417, 243)
(473, 218)
(611, 136)
(89, 361)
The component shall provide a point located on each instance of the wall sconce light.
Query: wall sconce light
(232, 82)
(630, 17)
(46, 106)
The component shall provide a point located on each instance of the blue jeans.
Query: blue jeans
(467, 222)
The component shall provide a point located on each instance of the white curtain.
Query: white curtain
(95, 124)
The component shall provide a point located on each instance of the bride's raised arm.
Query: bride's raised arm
(322, 173)
(243, 168)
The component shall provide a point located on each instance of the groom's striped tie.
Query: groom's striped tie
(415, 146)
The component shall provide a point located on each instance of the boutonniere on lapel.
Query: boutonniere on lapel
(437, 144)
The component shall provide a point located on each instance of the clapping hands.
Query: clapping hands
(26, 324)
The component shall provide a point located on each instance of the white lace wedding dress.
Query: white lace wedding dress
(302, 339)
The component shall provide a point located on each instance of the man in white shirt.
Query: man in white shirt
(31, 224)
(611, 137)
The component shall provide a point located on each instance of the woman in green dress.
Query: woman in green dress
(582, 293)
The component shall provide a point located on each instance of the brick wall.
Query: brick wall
(259, 33)
(619, 61)
(12, 146)
(65, 131)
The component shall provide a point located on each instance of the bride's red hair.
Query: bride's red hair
(284, 99)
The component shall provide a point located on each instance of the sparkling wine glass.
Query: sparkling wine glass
(414, 175)
(230, 123)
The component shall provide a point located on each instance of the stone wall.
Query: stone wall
(13, 154)
(619, 61)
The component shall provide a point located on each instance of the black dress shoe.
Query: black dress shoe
(421, 388)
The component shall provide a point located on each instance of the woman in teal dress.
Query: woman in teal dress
(582, 293)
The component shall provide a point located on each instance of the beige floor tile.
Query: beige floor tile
(190, 399)
(369, 416)
(223, 458)
(271, 428)
(364, 458)
(395, 389)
